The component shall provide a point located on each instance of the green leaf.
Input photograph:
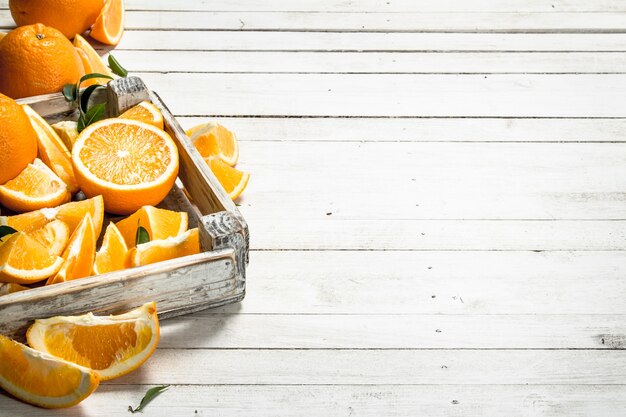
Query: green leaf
(93, 115)
(92, 76)
(6, 230)
(70, 92)
(84, 97)
(151, 394)
(142, 236)
(116, 67)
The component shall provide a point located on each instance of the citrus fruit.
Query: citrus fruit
(145, 112)
(112, 346)
(233, 180)
(70, 213)
(23, 260)
(79, 255)
(67, 131)
(68, 16)
(128, 162)
(213, 139)
(41, 379)
(112, 254)
(54, 236)
(159, 223)
(184, 244)
(52, 150)
(91, 61)
(18, 140)
(34, 188)
(35, 60)
(10, 288)
(109, 26)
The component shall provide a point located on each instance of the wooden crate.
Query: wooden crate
(215, 277)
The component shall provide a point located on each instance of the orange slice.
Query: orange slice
(213, 139)
(54, 236)
(112, 255)
(10, 288)
(233, 180)
(52, 150)
(67, 131)
(109, 26)
(23, 260)
(185, 244)
(79, 255)
(130, 163)
(111, 345)
(145, 112)
(41, 379)
(34, 188)
(70, 213)
(91, 61)
(159, 223)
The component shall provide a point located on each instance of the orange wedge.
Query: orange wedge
(112, 254)
(41, 379)
(91, 61)
(213, 139)
(70, 213)
(79, 255)
(52, 150)
(23, 260)
(109, 26)
(34, 188)
(130, 163)
(233, 180)
(10, 288)
(111, 345)
(185, 244)
(145, 112)
(54, 236)
(159, 223)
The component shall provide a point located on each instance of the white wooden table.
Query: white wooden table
(437, 207)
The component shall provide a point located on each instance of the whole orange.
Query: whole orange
(18, 140)
(68, 16)
(35, 60)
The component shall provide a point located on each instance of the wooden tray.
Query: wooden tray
(215, 277)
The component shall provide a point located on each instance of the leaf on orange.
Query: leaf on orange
(159, 223)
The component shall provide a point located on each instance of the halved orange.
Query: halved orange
(41, 379)
(10, 288)
(23, 260)
(34, 188)
(91, 61)
(110, 345)
(54, 236)
(130, 163)
(70, 213)
(79, 255)
(145, 112)
(233, 180)
(185, 244)
(112, 254)
(52, 150)
(213, 139)
(109, 26)
(159, 223)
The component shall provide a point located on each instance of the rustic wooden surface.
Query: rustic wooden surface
(437, 207)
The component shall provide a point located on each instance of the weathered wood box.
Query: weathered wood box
(215, 277)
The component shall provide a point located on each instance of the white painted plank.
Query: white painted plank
(346, 400)
(501, 95)
(355, 42)
(371, 62)
(457, 282)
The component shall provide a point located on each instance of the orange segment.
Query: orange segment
(129, 163)
(91, 61)
(185, 244)
(35, 188)
(145, 112)
(54, 236)
(52, 150)
(112, 346)
(79, 255)
(23, 260)
(10, 288)
(109, 26)
(112, 255)
(41, 379)
(159, 223)
(233, 180)
(67, 131)
(213, 139)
